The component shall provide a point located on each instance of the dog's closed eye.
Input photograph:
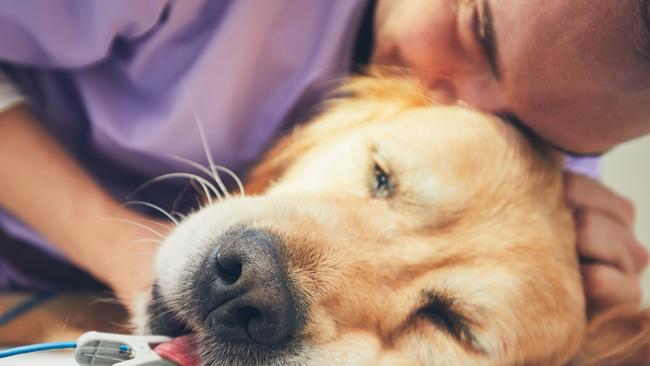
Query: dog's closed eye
(441, 311)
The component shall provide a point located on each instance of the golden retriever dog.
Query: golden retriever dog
(388, 231)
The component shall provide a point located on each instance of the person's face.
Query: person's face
(576, 72)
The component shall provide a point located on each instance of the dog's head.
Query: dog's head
(387, 231)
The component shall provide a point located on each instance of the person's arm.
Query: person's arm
(39, 182)
(43, 186)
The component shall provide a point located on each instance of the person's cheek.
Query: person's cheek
(480, 90)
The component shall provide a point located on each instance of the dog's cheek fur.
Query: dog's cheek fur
(350, 296)
(139, 316)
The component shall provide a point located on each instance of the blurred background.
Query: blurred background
(627, 170)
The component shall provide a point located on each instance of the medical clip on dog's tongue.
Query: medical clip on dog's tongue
(108, 349)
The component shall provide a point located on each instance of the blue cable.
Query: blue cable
(36, 348)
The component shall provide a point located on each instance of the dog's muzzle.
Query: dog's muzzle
(246, 296)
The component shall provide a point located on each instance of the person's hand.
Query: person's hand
(127, 266)
(611, 257)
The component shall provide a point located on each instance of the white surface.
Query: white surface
(627, 170)
(58, 358)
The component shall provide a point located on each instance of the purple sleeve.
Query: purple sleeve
(70, 33)
(589, 166)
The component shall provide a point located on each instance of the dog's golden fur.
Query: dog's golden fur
(493, 226)
(466, 258)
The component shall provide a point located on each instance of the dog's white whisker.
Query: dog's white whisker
(204, 142)
(143, 226)
(234, 176)
(191, 163)
(206, 193)
(181, 175)
(155, 207)
(105, 298)
(132, 253)
(179, 215)
(160, 224)
(199, 167)
(207, 171)
(148, 240)
(65, 323)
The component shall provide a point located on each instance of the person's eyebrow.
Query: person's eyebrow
(489, 40)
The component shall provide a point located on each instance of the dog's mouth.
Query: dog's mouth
(183, 347)
(205, 346)
(181, 350)
(237, 307)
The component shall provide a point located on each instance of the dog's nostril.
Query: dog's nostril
(228, 269)
(247, 314)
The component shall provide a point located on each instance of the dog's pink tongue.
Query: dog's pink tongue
(180, 350)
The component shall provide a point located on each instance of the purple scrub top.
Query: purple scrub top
(114, 82)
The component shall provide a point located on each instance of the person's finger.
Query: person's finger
(602, 239)
(606, 286)
(582, 191)
(639, 255)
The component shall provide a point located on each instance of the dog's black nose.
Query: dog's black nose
(248, 288)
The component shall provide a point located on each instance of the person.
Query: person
(98, 96)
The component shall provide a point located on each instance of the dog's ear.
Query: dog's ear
(618, 337)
